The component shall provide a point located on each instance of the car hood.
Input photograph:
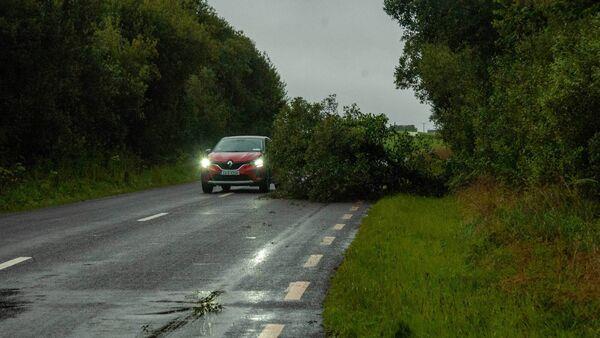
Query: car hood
(236, 157)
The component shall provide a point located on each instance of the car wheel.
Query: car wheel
(207, 188)
(265, 185)
(226, 188)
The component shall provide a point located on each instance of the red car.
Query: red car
(237, 161)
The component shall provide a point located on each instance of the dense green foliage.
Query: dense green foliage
(154, 78)
(323, 155)
(514, 85)
(92, 178)
(419, 268)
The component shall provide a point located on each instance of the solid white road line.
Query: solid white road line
(296, 290)
(13, 262)
(152, 217)
(271, 331)
(225, 195)
(347, 216)
(312, 261)
(339, 226)
(327, 240)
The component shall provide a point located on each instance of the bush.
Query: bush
(346, 156)
(415, 164)
(322, 155)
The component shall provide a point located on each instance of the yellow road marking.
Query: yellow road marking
(347, 216)
(339, 226)
(327, 240)
(271, 331)
(296, 290)
(312, 261)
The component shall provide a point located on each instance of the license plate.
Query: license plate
(230, 172)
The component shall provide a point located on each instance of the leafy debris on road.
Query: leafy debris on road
(193, 310)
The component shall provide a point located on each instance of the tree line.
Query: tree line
(514, 85)
(153, 78)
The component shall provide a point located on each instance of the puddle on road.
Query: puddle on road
(11, 303)
(191, 311)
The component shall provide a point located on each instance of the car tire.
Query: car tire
(265, 185)
(207, 188)
(226, 188)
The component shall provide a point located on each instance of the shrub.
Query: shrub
(292, 134)
(346, 156)
(9, 176)
(415, 165)
(322, 155)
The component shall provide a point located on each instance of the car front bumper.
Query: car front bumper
(249, 175)
(247, 183)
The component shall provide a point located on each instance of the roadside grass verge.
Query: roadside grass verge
(420, 267)
(91, 180)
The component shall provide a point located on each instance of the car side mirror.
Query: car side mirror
(208, 150)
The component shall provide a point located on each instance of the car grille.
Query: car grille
(235, 166)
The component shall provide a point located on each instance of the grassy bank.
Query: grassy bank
(423, 267)
(91, 180)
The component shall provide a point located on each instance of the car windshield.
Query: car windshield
(239, 145)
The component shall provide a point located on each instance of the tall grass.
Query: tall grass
(432, 267)
(543, 243)
(48, 185)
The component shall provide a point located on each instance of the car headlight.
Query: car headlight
(259, 163)
(205, 163)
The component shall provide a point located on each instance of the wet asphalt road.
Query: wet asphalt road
(137, 264)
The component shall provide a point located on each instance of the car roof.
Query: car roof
(247, 136)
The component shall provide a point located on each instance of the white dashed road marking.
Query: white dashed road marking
(296, 290)
(347, 216)
(339, 226)
(271, 331)
(152, 217)
(13, 262)
(327, 240)
(312, 261)
(225, 195)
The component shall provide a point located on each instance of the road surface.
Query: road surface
(145, 264)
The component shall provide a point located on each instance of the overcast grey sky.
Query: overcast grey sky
(320, 47)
